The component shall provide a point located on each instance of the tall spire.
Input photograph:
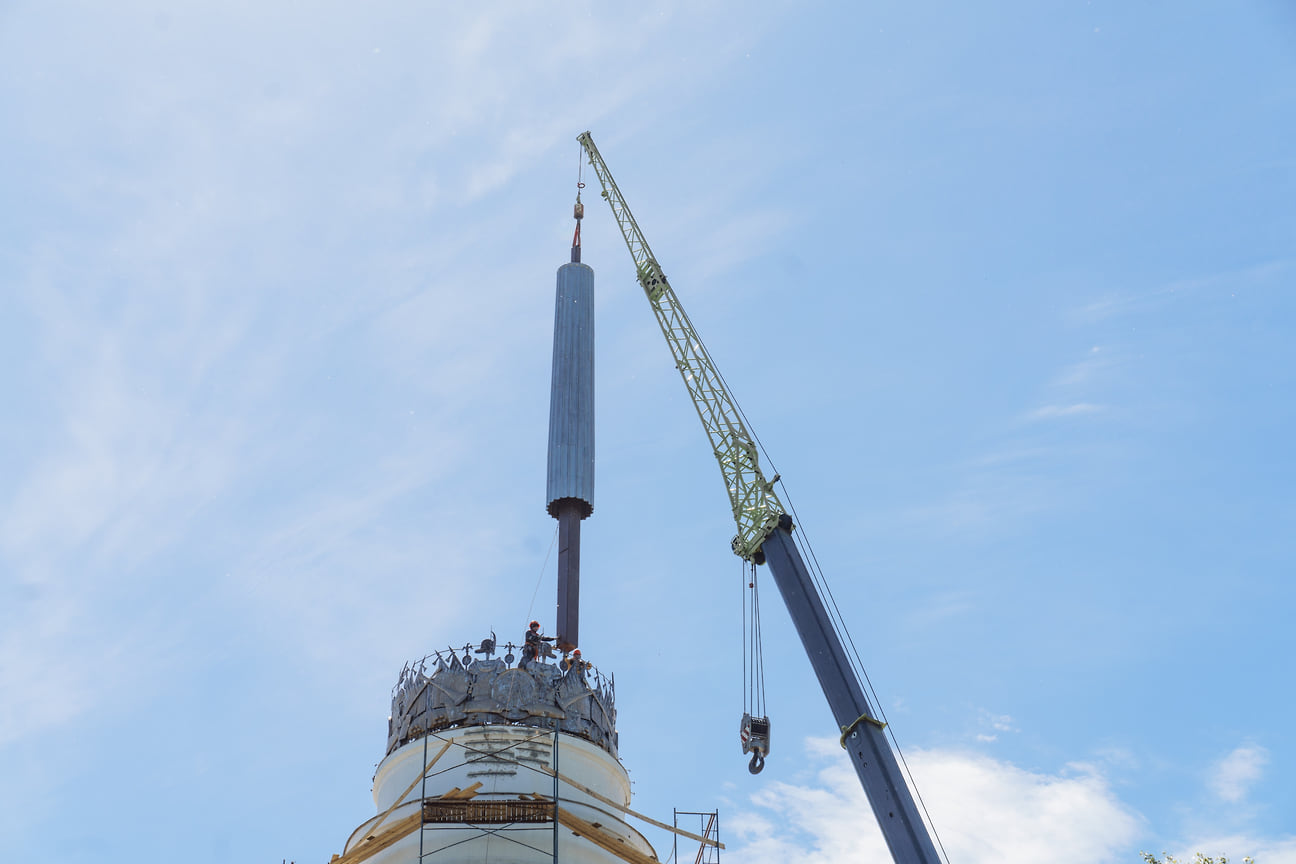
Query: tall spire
(571, 428)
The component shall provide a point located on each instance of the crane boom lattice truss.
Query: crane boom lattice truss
(756, 508)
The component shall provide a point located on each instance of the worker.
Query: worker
(533, 645)
(575, 662)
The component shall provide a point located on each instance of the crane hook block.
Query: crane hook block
(754, 733)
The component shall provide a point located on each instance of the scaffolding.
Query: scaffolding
(708, 832)
(531, 820)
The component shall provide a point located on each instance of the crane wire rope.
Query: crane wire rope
(540, 578)
(816, 572)
(743, 570)
(530, 610)
(837, 620)
(753, 646)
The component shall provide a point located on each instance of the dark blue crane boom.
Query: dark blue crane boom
(862, 734)
(765, 537)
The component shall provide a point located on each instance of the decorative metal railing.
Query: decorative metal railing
(469, 686)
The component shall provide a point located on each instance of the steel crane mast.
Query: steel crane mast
(765, 536)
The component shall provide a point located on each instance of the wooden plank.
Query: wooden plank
(372, 845)
(604, 839)
(624, 809)
(457, 793)
(410, 788)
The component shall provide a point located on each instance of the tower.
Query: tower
(513, 760)
(479, 749)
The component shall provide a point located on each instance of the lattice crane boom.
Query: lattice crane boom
(756, 507)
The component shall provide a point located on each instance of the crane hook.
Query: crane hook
(757, 763)
(578, 212)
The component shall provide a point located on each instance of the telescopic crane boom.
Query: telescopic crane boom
(765, 537)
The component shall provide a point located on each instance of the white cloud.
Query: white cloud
(992, 724)
(1238, 771)
(985, 811)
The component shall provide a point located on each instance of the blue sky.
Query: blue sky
(1005, 290)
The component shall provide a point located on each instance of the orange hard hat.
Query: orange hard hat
(535, 623)
(576, 652)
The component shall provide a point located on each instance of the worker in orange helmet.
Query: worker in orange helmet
(533, 643)
(575, 662)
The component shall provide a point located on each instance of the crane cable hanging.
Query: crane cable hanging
(579, 210)
(838, 623)
(754, 730)
(757, 510)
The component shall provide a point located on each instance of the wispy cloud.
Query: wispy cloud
(985, 503)
(1085, 370)
(1077, 409)
(991, 725)
(1070, 392)
(1234, 775)
(1002, 489)
(1118, 304)
(940, 609)
(197, 251)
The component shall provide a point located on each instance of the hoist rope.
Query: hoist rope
(753, 646)
(758, 650)
(743, 570)
(836, 619)
(531, 608)
(543, 568)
